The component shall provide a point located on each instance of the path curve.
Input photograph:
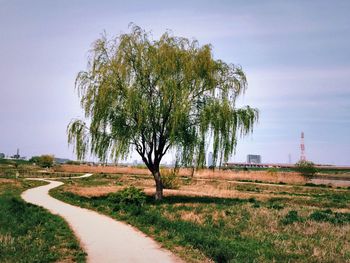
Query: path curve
(103, 238)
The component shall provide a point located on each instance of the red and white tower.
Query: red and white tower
(302, 148)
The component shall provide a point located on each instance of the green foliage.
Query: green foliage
(329, 216)
(306, 168)
(43, 160)
(130, 198)
(170, 179)
(272, 171)
(275, 203)
(13, 162)
(316, 185)
(291, 217)
(154, 95)
(35, 159)
(73, 162)
(29, 233)
(9, 173)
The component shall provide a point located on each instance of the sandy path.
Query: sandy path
(104, 239)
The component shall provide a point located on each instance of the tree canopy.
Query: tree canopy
(45, 160)
(154, 95)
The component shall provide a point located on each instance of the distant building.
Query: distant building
(2, 155)
(252, 158)
(16, 156)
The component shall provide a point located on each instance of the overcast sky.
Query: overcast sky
(296, 55)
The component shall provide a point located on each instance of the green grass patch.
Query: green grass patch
(29, 233)
(291, 218)
(329, 216)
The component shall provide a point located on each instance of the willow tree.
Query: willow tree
(150, 96)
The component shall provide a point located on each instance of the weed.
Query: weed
(275, 203)
(272, 171)
(170, 179)
(315, 185)
(130, 199)
(248, 188)
(329, 216)
(306, 168)
(291, 217)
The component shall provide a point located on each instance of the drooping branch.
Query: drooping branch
(156, 95)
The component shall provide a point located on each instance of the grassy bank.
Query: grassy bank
(263, 223)
(29, 233)
(25, 171)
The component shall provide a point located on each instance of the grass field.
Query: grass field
(226, 221)
(31, 234)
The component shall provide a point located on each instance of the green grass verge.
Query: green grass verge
(29, 233)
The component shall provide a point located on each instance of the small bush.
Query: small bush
(329, 216)
(315, 185)
(275, 203)
(45, 160)
(170, 179)
(130, 199)
(291, 217)
(276, 206)
(254, 202)
(306, 168)
(10, 173)
(272, 171)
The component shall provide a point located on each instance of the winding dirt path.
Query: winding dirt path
(103, 238)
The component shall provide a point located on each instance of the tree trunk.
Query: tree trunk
(159, 185)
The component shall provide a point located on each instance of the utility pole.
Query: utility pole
(302, 148)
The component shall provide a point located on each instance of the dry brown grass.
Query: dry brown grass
(265, 176)
(286, 177)
(8, 181)
(198, 188)
(4, 183)
(93, 191)
(217, 193)
(191, 216)
(100, 169)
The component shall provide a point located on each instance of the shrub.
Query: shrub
(130, 199)
(306, 168)
(275, 203)
(9, 173)
(315, 185)
(328, 216)
(170, 179)
(43, 160)
(73, 162)
(291, 217)
(272, 171)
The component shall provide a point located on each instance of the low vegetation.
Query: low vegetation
(29, 233)
(45, 160)
(222, 221)
(170, 179)
(306, 168)
(28, 170)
